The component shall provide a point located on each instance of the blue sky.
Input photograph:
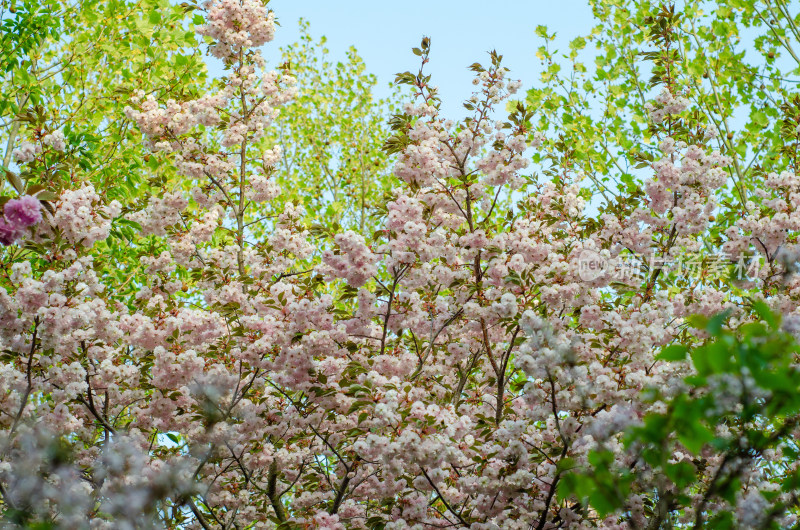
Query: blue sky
(462, 31)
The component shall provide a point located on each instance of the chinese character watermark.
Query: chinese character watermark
(593, 265)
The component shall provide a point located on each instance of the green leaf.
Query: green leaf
(718, 357)
(565, 464)
(697, 321)
(721, 521)
(541, 31)
(681, 473)
(760, 118)
(693, 435)
(674, 352)
(716, 322)
(605, 499)
(15, 181)
(763, 311)
(700, 361)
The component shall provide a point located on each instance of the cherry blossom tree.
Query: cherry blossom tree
(508, 350)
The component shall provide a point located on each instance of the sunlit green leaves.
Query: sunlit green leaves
(331, 136)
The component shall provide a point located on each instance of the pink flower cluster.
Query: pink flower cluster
(19, 215)
(26, 152)
(666, 104)
(81, 217)
(354, 261)
(55, 140)
(237, 24)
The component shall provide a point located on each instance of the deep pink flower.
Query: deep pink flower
(23, 212)
(9, 232)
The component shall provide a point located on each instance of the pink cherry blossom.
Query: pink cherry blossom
(24, 212)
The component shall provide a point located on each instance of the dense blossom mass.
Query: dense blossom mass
(458, 368)
(19, 214)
